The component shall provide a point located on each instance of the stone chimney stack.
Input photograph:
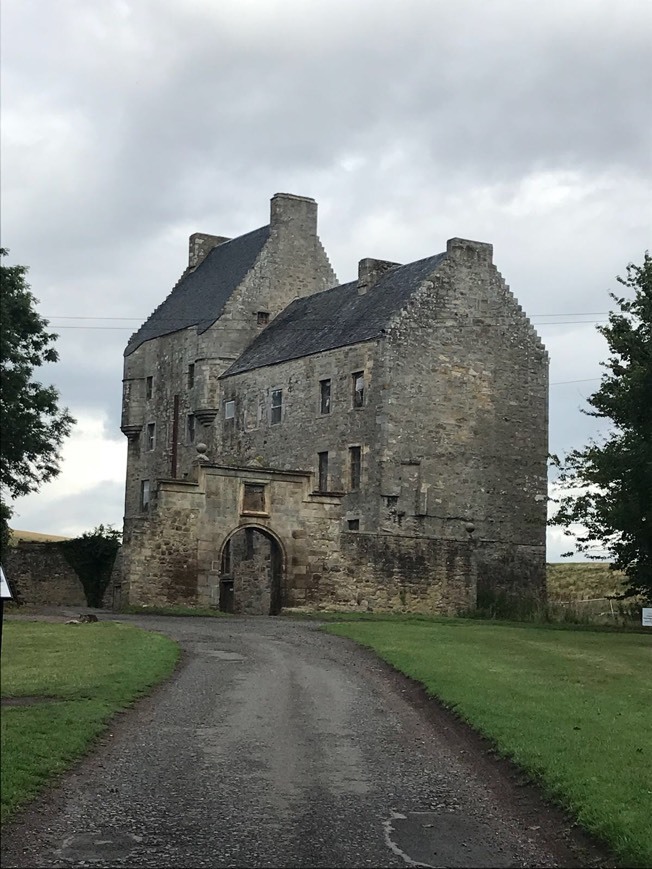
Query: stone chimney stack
(369, 270)
(298, 214)
(465, 250)
(200, 244)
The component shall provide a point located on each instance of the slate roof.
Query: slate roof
(199, 297)
(334, 318)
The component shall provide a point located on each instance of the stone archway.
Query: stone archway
(251, 572)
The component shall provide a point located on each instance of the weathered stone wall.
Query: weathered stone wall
(179, 550)
(292, 263)
(304, 431)
(40, 575)
(389, 573)
(464, 423)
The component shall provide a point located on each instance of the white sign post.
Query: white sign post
(646, 616)
(5, 594)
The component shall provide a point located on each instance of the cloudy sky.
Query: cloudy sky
(129, 124)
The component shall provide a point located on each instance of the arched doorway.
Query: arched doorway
(251, 572)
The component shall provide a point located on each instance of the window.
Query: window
(149, 387)
(262, 318)
(355, 464)
(253, 500)
(190, 428)
(144, 494)
(358, 388)
(191, 375)
(354, 524)
(229, 409)
(322, 482)
(324, 396)
(151, 435)
(277, 406)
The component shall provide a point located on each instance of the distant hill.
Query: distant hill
(582, 581)
(33, 537)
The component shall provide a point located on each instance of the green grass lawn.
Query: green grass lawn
(572, 708)
(87, 673)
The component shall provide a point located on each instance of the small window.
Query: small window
(254, 498)
(277, 406)
(151, 435)
(149, 387)
(354, 524)
(191, 375)
(322, 482)
(355, 465)
(324, 396)
(262, 318)
(358, 388)
(144, 495)
(190, 428)
(229, 409)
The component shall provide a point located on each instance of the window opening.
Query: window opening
(254, 498)
(229, 409)
(355, 467)
(262, 318)
(191, 375)
(191, 428)
(144, 494)
(358, 388)
(325, 396)
(277, 406)
(151, 435)
(354, 524)
(149, 387)
(322, 483)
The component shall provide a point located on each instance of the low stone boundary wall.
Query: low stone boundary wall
(40, 575)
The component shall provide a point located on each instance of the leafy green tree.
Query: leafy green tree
(607, 486)
(32, 425)
(92, 556)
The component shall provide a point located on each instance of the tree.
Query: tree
(32, 425)
(92, 557)
(607, 486)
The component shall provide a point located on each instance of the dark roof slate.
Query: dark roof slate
(199, 297)
(334, 318)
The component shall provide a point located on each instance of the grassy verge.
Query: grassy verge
(83, 674)
(572, 708)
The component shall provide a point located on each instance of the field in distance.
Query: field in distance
(582, 581)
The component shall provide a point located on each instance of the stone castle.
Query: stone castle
(297, 443)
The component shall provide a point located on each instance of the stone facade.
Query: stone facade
(41, 576)
(384, 441)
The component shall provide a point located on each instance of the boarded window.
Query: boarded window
(262, 318)
(355, 466)
(144, 494)
(277, 406)
(191, 375)
(190, 428)
(149, 387)
(354, 524)
(254, 498)
(324, 396)
(151, 435)
(322, 478)
(357, 379)
(229, 409)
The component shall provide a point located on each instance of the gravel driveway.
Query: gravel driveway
(277, 745)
